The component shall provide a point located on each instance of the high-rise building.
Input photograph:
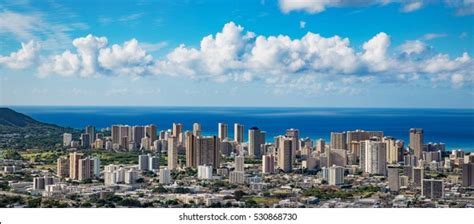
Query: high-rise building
(62, 167)
(143, 161)
(394, 150)
(337, 157)
(91, 131)
(361, 135)
(205, 172)
(338, 140)
(177, 129)
(153, 163)
(268, 164)
(138, 133)
(74, 165)
(85, 140)
(130, 176)
(416, 142)
(256, 139)
(373, 156)
(67, 138)
(38, 183)
(418, 176)
(433, 189)
(85, 169)
(393, 178)
(237, 177)
(115, 134)
(207, 151)
(197, 129)
(238, 133)
(172, 152)
(285, 150)
(294, 135)
(468, 175)
(320, 145)
(239, 163)
(190, 147)
(165, 177)
(222, 131)
(96, 166)
(336, 175)
(150, 132)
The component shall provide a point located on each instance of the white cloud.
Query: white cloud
(94, 58)
(375, 54)
(412, 6)
(309, 6)
(462, 7)
(431, 36)
(413, 47)
(37, 26)
(457, 80)
(22, 58)
(302, 24)
(310, 64)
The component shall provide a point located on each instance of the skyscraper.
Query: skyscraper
(91, 131)
(138, 132)
(177, 129)
(320, 145)
(256, 139)
(165, 177)
(67, 138)
(336, 175)
(222, 131)
(468, 175)
(294, 135)
(62, 167)
(150, 132)
(361, 135)
(268, 164)
(239, 163)
(172, 152)
(143, 162)
(373, 158)
(238, 133)
(338, 140)
(197, 129)
(85, 140)
(285, 150)
(394, 150)
(418, 176)
(85, 169)
(393, 178)
(74, 165)
(416, 142)
(207, 151)
(153, 163)
(190, 147)
(433, 189)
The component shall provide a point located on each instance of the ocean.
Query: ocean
(454, 127)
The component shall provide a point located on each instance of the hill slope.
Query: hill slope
(10, 117)
(19, 131)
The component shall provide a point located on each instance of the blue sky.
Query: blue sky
(374, 53)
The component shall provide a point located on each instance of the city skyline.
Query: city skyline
(247, 53)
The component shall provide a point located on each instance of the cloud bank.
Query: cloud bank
(309, 64)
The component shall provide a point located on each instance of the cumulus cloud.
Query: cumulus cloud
(375, 54)
(310, 63)
(302, 24)
(93, 57)
(22, 58)
(413, 47)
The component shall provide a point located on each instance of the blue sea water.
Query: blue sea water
(454, 127)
